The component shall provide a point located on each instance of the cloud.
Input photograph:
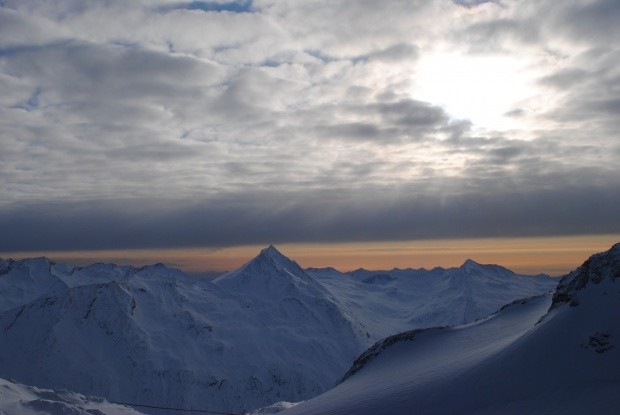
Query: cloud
(586, 82)
(397, 53)
(565, 78)
(591, 20)
(500, 34)
(161, 123)
(412, 113)
(321, 216)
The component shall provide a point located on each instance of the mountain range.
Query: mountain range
(553, 353)
(269, 331)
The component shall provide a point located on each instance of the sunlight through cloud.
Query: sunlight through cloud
(482, 89)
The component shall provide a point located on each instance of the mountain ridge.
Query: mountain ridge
(537, 355)
(604, 265)
(151, 335)
(266, 332)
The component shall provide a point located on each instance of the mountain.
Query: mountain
(135, 338)
(270, 274)
(152, 335)
(312, 333)
(474, 291)
(24, 281)
(20, 399)
(266, 332)
(547, 354)
(389, 302)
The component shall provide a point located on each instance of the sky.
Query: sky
(195, 127)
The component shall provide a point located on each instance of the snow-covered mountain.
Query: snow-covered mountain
(389, 302)
(24, 281)
(265, 333)
(549, 354)
(18, 399)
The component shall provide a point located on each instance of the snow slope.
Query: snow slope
(546, 354)
(389, 302)
(17, 399)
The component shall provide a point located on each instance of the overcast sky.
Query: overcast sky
(155, 123)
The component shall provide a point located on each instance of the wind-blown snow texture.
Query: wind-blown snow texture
(548, 354)
(267, 332)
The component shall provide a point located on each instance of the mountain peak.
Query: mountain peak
(272, 254)
(267, 264)
(472, 266)
(271, 251)
(469, 263)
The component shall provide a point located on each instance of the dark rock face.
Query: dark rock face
(599, 342)
(599, 267)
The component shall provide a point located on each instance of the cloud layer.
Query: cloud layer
(168, 123)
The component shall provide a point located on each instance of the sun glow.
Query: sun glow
(528, 255)
(482, 89)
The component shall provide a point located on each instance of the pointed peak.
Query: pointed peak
(272, 253)
(271, 250)
(469, 263)
(269, 265)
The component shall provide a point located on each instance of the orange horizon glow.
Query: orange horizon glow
(528, 255)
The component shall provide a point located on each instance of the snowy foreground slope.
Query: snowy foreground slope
(27, 400)
(548, 354)
(264, 333)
